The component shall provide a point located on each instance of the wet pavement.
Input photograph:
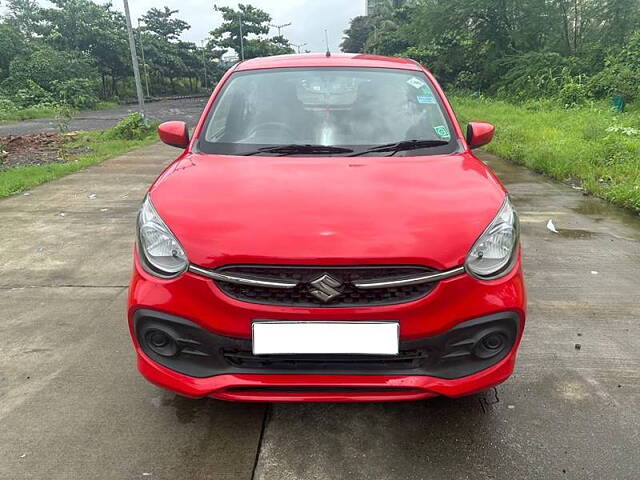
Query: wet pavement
(188, 110)
(73, 406)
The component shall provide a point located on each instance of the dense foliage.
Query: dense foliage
(571, 50)
(75, 52)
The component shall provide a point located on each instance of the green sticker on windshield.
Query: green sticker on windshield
(443, 132)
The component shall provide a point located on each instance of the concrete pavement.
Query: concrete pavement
(565, 414)
(71, 402)
(73, 406)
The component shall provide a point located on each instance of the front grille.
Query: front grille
(301, 295)
(405, 360)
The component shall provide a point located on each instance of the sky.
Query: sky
(309, 18)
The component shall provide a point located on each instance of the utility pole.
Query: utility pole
(280, 27)
(375, 38)
(134, 59)
(299, 46)
(241, 38)
(144, 64)
(204, 65)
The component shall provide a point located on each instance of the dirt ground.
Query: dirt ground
(36, 149)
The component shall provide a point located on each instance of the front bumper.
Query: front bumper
(323, 388)
(218, 329)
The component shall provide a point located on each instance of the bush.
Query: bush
(573, 94)
(621, 75)
(616, 79)
(132, 127)
(76, 92)
(7, 105)
(30, 93)
(539, 75)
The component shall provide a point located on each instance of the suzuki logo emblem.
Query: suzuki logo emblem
(324, 288)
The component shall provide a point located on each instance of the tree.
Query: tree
(255, 26)
(355, 37)
(89, 28)
(11, 45)
(620, 19)
(475, 43)
(167, 59)
(46, 65)
(161, 23)
(24, 15)
(279, 45)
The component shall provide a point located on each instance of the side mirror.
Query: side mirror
(479, 134)
(175, 134)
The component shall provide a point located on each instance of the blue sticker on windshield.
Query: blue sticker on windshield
(443, 132)
(428, 99)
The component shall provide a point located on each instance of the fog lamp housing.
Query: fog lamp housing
(160, 341)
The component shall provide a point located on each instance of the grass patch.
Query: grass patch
(28, 113)
(101, 147)
(591, 145)
(43, 111)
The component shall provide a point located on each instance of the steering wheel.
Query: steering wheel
(274, 127)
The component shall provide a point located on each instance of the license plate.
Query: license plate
(359, 338)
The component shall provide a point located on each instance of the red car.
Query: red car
(327, 234)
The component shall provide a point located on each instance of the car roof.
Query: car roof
(322, 60)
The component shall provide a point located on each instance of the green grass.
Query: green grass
(28, 113)
(39, 111)
(582, 145)
(18, 179)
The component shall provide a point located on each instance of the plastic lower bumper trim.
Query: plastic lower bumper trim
(458, 353)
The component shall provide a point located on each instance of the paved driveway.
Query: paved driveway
(73, 406)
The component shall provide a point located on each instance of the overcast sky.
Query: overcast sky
(309, 17)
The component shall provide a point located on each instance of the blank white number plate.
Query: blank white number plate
(364, 338)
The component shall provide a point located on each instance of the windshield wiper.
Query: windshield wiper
(295, 148)
(402, 146)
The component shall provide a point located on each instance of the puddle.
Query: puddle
(577, 234)
(187, 409)
(593, 206)
(602, 212)
(509, 172)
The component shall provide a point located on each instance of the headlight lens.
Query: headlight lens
(163, 254)
(493, 253)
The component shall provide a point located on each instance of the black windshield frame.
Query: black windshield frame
(240, 148)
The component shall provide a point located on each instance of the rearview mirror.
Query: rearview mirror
(479, 134)
(174, 133)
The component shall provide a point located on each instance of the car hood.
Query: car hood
(313, 210)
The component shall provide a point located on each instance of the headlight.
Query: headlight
(493, 254)
(162, 254)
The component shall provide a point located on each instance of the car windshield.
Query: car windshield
(351, 108)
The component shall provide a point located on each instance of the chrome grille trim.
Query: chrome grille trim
(407, 281)
(364, 285)
(239, 280)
